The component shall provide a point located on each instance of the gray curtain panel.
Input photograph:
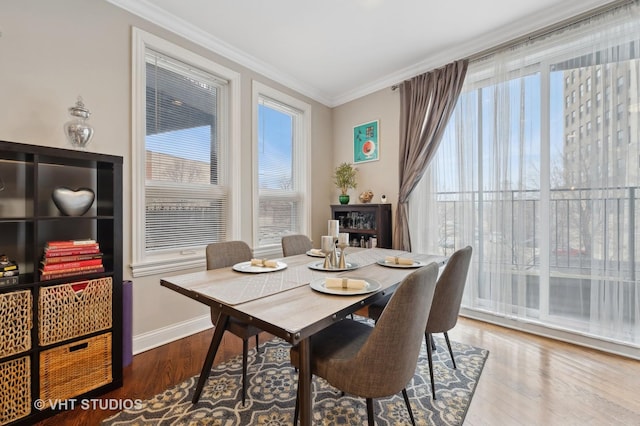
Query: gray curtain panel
(426, 103)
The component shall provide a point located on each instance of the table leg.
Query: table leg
(304, 382)
(220, 327)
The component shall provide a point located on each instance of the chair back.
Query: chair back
(227, 253)
(295, 244)
(448, 295)
(388, 359)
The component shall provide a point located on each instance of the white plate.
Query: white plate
(312, 254)
(416, 264)
(247, 267)
(319, 266)
(319, 285)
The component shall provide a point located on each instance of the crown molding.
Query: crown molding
(562, 11)
(152, 13)
(513, 31)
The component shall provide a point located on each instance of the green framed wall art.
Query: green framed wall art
(366, 142)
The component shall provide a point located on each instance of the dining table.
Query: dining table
(290, 301)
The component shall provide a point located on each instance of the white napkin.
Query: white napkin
(398, 260)
(264, 263)
(345, 283)
(317, 252)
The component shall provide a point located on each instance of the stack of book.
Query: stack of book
(8, 271)
(68, 258)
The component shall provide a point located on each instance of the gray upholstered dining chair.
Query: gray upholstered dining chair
(295, 244)
(446, 304)
(222, 255)
(375, 362)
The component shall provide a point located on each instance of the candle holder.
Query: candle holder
(327, 246)
(343, 242)
(342, 264)
(334, 256)
(333, 231)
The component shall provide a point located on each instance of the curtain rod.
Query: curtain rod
(589, 14)
(592, 13)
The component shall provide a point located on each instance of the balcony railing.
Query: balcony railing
(592, 231)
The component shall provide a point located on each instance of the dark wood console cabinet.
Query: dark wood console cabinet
(365, 221)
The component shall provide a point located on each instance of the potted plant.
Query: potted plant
(345, 178)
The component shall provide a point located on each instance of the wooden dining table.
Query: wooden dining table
(283, 303)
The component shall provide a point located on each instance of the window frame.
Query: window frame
(145, 263)
(301, 162)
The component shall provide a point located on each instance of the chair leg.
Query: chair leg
(429, 340)
(446, 337)
(370, 419)
(257, 345)
(245, 351)
(406, 401)
(429, 356)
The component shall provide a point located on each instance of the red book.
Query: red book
(64, 274)
(73, 258)
(70, 243)
(71, 252)
(70, 265)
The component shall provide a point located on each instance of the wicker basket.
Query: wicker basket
(15, 389)
(16, 311)
(73, 369)
(75, 309)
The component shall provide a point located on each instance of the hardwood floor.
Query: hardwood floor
(527, 380)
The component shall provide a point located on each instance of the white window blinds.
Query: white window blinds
(185, 189)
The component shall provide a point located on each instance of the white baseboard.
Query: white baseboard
(152, 339)
(572, 337)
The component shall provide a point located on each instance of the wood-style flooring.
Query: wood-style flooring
(527, 380)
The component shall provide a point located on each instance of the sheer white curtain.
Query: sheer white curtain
(539, 170)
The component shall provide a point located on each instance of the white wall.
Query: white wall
(53, 51)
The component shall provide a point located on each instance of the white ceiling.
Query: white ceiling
(335, 51)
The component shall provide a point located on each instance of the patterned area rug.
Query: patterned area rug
(271, 393)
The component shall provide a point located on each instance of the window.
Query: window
(282, 151)
(620, 84)
(569, 254)
(184, 130)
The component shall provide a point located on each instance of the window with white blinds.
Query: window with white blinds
(282, 138)
(186, 198)
(182, 164)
